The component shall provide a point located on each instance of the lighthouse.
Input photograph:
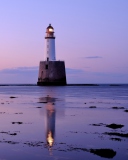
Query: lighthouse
(49, 53)
(51, 71)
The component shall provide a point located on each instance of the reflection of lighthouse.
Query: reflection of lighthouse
(51, 72)
(50, 124)
(52, 113)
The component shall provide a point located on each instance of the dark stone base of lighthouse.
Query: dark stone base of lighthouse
(51, 73)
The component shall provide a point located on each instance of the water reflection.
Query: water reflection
(50, 114)
(50, 123)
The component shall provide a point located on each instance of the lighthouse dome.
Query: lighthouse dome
(50, 28)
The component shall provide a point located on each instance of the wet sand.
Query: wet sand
(60, 123)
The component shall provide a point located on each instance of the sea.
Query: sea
(86, 122)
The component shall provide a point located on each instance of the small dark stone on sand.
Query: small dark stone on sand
(106, 153)
(17, 122)
(92, 107)
(38, 107)
(13, 134)
(118, 108)
(13, 97)
(114, 126)
(73, 132)
(126, 110)
(85, 103)
(62, 143)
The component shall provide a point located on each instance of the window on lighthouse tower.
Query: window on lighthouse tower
(46, 67)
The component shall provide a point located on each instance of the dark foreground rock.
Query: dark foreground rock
(106, 153)
(114, 126)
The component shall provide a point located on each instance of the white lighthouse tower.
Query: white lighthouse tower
(49, 53)
(51, 72)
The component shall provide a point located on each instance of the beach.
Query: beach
(64, 122)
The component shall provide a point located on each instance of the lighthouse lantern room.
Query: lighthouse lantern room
(49, 53)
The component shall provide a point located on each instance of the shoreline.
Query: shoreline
(115, 85)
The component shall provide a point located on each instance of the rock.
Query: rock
(106, 153)
(17, 122)
(114, 126)
(92, 107)
(117, 107)
(13, 97)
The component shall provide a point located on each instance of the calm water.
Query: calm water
(62, 123)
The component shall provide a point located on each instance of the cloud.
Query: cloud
(93, 57)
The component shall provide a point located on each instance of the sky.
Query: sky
(91, 37)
